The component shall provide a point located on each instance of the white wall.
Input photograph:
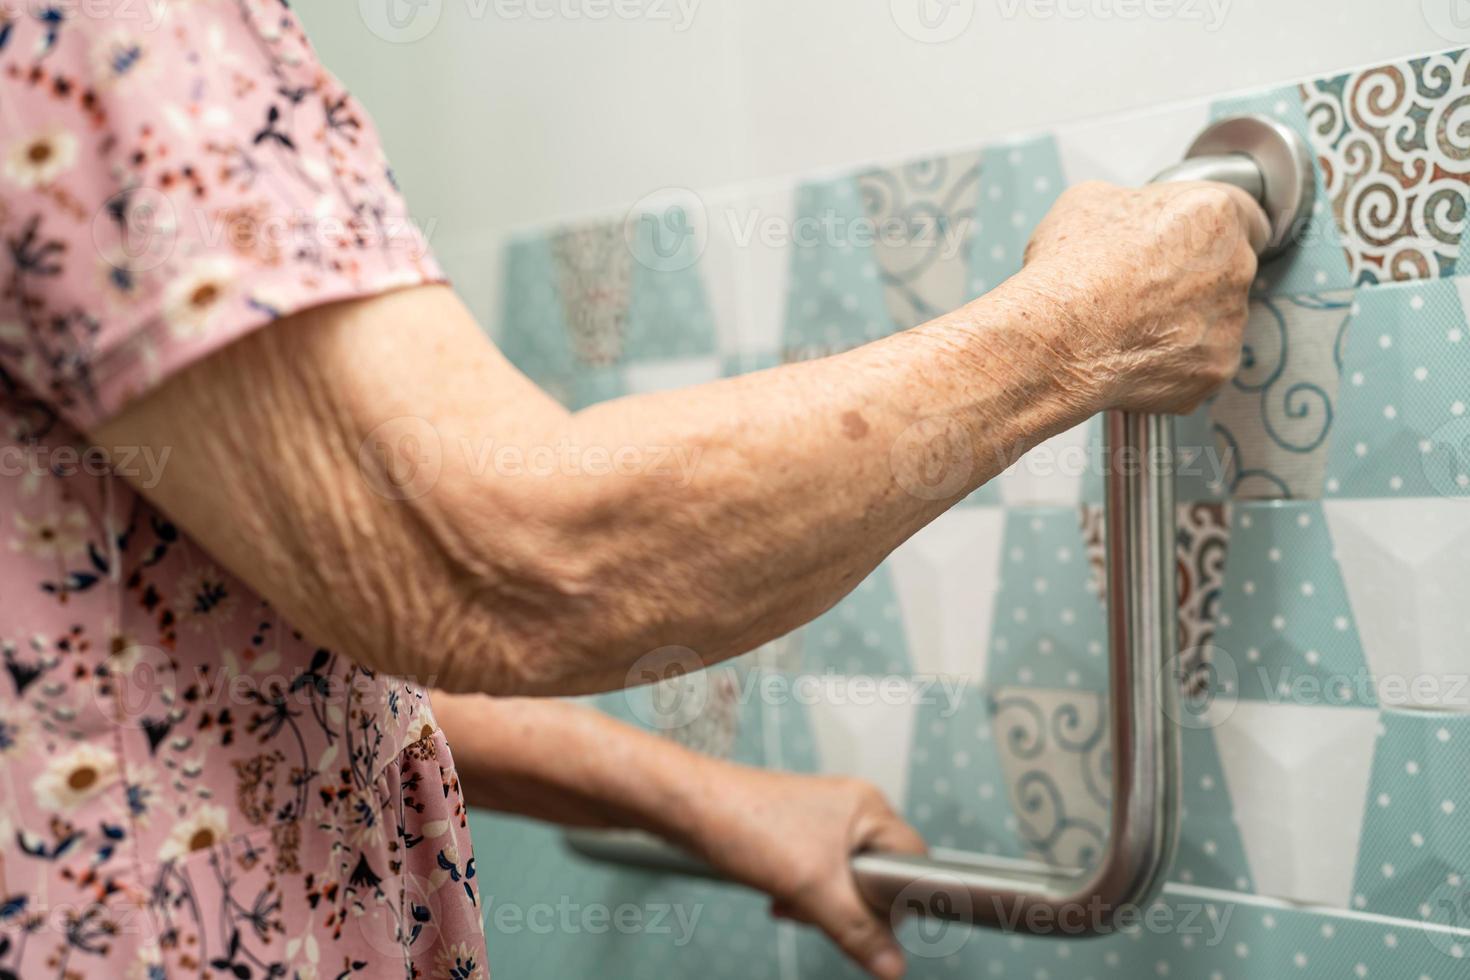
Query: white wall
(496, 118)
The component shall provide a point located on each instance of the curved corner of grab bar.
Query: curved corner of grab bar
(1023, 896)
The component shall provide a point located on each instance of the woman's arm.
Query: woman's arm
(351, 463)
(789, 836)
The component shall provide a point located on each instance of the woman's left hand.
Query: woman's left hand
(792, 836)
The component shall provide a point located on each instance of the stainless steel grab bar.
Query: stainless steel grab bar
(1272, 163)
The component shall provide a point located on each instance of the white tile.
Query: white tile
(1406, 564)
(865, 731)
(1298, 779)
(1050, 474)
(1129, 150)
(946, 577)
(648, 376)
(748, 265)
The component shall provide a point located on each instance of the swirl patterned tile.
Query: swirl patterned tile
(1272, 423)
(1395, 161)
(1403, 429)
(1286, 630)
(1057, 758)
(924, 214)
(1316, 263)
(836, 299)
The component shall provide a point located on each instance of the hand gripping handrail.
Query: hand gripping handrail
(1272, 164)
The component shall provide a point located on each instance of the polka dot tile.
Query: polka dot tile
(862, 634)
(1402, 428)
(1414, 861)
(1019, 182)
(958, 795)
(1049, 629)
(836, 299)
(1286, 629)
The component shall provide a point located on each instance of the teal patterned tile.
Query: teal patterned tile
(957, 790)
(1414, 860)
(1316, 263)
(1195, 936)
(1403, 429)
(836, 298)
(668, 312)
(1273, 422)
(862, 634)
(1286, 626)
(1393, 156)
(532, 332)
(1019, 182)
(1211, 853)
(550, 913)
(1049, 629)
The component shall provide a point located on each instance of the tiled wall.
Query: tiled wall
(1324, 553)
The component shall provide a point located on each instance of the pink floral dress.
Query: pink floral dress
(188, 787)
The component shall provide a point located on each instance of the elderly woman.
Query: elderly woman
(217, 753)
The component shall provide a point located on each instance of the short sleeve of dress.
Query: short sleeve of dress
(170, 181)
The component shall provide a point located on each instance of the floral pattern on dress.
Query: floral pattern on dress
(188, 786)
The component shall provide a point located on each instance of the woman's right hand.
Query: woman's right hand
(1152, 285)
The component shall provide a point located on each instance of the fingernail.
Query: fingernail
(887, 964)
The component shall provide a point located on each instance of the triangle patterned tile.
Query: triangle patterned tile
(1414, 861)
(862, 634)
(957, 788)
(1403, 425)
(1286, 627)
(1019, 182)
(836, 299)
(1285, 768)
(1407, 567)
(946, 577)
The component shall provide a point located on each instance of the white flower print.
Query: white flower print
(75, 777)
(55, 535)
(205, 827)
(193, 300)
(38, 159)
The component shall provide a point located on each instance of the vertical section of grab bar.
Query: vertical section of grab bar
(1142, 628)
